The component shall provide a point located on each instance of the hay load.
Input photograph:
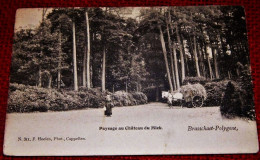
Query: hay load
(194, 93)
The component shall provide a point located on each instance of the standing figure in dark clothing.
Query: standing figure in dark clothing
(109, 105)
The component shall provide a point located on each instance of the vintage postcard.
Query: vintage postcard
(130, 81)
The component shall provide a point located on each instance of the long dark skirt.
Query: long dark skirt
(108, 111)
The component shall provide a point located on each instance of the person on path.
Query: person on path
(109, 105)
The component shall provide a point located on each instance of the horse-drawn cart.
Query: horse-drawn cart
(190, 95)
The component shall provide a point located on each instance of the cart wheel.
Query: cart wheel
(197, 101)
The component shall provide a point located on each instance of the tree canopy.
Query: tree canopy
(158, 48)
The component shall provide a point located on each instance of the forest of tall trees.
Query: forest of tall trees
(117, 49)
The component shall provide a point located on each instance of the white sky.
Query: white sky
(31, 17)
(28, 18)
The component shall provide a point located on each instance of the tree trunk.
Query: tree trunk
(44, 10)
(86, 57)
(91, 75)
(40, 77)
(113, 88)
(74, 58)
(88, 51)
(224, 47)
(175, 55)
(185, 57)
(192, 61)
(181, 53)
(171, 58)
(176, 66)
(157, 94)
(201, 60)
(196, 57)
(84, 67)
(103, 78)
(229, 75)
(50, 80)
(165, 58)
(59, 63)
(215, 62)
(126, 89)
(209, 64)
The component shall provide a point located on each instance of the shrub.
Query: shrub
(215, 91)
(194, 80)
(87, 99)
(38, 99)
(231, 103)
(15, 86)
(238, 97)
(121, 98)
(30, 99)
(140, 97)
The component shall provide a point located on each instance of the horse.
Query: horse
(172, 97)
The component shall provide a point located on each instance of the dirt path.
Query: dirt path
(175, 131)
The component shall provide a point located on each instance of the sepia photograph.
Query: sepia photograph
(130, 81)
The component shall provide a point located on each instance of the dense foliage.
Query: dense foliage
(24, 98)
(194, 80)
(238, 97)
(127, 53)
(215, 92)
